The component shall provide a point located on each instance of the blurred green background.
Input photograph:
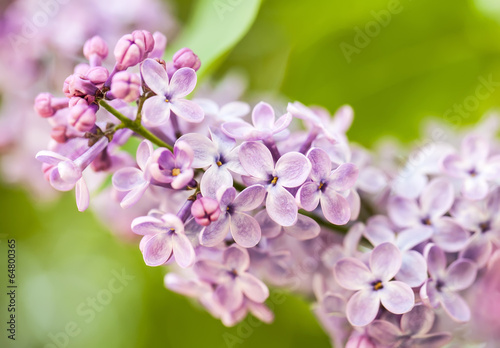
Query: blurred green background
(426, 58)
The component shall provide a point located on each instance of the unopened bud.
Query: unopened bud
(83, 117)
(205, 211)
(95, 50)
(46, 105)
(126, 86)
(185, 58)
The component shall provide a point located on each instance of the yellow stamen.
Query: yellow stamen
(166, 100)
(378, 285)
(176, 171)
(275, 180)
(219, 163)
(320, 186)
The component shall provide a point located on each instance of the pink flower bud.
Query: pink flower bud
(205, 211)
(133, 48)
(46, 105)
(77, 101)
(97, 75)
(78, 86)
(185, 58)
(58, 133)
(95, 50)
(126, 86)
(159, 46)
(83, 117)
(81, 69)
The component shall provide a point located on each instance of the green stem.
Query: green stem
(138, 128)
(324, 223)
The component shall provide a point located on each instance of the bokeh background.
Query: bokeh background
(426, 59)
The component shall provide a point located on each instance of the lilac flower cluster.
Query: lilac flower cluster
(233, 207)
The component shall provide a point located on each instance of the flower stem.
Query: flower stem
(138, 128)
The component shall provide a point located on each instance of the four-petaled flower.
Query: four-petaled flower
(174, 169)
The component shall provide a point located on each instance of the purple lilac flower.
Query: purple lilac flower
(305, 228)
(482, 218)
(219, 155)
(326, 186)
(166, 238)
(135, 181)
(427, 214)
(444, 283)
(264, 126)
(133, 48)
(169, 94)
(232, 280)
(185, 58)
(66, 173)
(373, 285)
(174, 169)
(475, 166)
(413, 331)
(126, 86)
(291, 170)
(413, 269)
(244, 229)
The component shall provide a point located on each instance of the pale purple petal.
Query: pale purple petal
(418, 321)
(449, 235)
(188, 110)
(352, 274)
(333, 304)
(171, 221)
(437, 198)
(82, 195)
(455, 306)
(436, 260)
(460, 275)
(292, 169)
(436, 340)
(342, 119)
(384, 332)
(453, 165)
(236, 258)
(182, 83)
(226, 197)
(308, 196)
(492, 170)
(229, 296)
(475, 188)
(245, 230)
(58, 183)
(183, 250)
(134, 195)
(256, 159)
(378, 233)
(403, 212)
(335, 207)
(263, 116)
(413, 269)
(260, 311)
(233, 162)
(181, 180)
(269, 228)
(344, 177)
(252, 287)
(250, 198)
(158, 250)
(49, 157)
(155, 111)
(385, 261)
(238, 129)
(429, 293)
(413, 236)
(144, 225)
(155, 76)
(354, 203)
(371, 180)
(281, 206)
(479, 250)
(305, 228)
(282, 122)
(397, 297)
(475, 149)
(233, 110)
(144, 152)
(321, 164)
(211, 271)
(215, 233)
(223, 143)
(213, 179)
(362, 307)
(204, 150)
(184, 154)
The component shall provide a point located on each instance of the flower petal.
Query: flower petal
(233, 110)
(203, 148)
(403, 212)
(253, 287)
(455, 306)
(155, 76)
(385, 261)
(435, 340)
(182, 83)
(437, 198)
(269, 228)
(308, 196)
(282, 122)
(436, 260)
(352, 274)
(418, 321)
(413, 269)
(397, 297)
(305, 228)
(215, 233)
(344, 177)
(335, 207)
(239, 130)
(229, 296)
(158, 249)
(281, 206)
(50, 157)
(188, 110)
(250, 198)
(449, 235)
(321, 164)
(460, 275)
(263, 116)
(183, 250)
(245, 230)
(384, 332)
(292, 169)
(155, 111)
(256, 159)
(82, 195)
(144, 225)
(134, 195)
(413, 236)
(475, 188)
(377, 231)
(478, 250)
(362, 307)
(144, 152)
(213, 179)
(236, 258)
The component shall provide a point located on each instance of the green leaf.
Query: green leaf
(214, 28)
